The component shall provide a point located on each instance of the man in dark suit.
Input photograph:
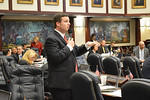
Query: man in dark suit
(61, 55)
(111, 47)
(17, 56)
(97, 2)
(141, 52)
(103, 48)
(139, 3)
(76, 1)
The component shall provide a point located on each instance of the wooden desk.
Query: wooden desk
(113, 95)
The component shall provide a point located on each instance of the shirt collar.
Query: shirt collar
(62, 34)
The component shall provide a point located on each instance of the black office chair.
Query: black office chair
(95, 61)
(83, 87)
(112, 65)
(133, 64)
(96, 81)
(5, 95)
(136, 89)
(26, 82)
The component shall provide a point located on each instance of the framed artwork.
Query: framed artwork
(138, 3)
(19, 32)
(1, 1)
(111, 31)
(97, 3)
(116, 3)
(52, 2)
(76, 2)
(25, 1)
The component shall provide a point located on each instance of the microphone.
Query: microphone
(127, 72)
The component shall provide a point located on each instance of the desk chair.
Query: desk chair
(133, 64)
(26, 82)
(83, 87)
(5, 95)
(112, 65)
(95, 60)
(136, 89)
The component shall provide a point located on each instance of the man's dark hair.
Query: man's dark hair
(58, 16)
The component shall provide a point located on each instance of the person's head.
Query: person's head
(112, 44)
(14, 50)
(19, 49)
(61, 22)
(141, 45)
(7, 52)
(103, 42)
(24, 45)
(36, 39)
(30, 56)
(93, 36)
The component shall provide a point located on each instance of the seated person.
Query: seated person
(141, 52)
(14, 50)
(111, 47)
(7, 52)
(28, 58)
(94, 49)
(25, 47)
(19, 54)
(103, 48)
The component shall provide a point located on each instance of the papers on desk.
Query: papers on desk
(105, 54)
(110, 91)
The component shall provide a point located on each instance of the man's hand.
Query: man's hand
(93, 43)
(71, 42)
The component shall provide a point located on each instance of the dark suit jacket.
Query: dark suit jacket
(16, 57)
(23, 62)
(141, 3)
(100, 50)
(109, 48)
(61, 61)
(74, 1)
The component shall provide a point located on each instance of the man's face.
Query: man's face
(19, 50)
(64, 25)
(103, 43)
(142, 45)
(14, 50)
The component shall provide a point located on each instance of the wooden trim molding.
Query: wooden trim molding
(87, 29)
(137, 31)
(1, 33)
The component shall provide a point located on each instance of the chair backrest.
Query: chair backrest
(94, 60)
(26, 82)
(7, 64)
(96, 80)
(136, 89)
(112, 65)
(5, 95)
(133, 64)
(82, 87)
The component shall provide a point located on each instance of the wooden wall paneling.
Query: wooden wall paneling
(137, 31)
(1, 33)
(87, 29)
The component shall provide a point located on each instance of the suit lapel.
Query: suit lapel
(60, 37)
